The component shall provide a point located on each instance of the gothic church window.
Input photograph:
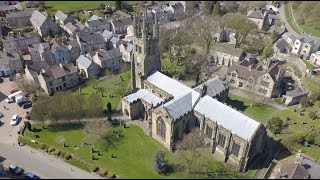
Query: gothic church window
(235, 149)
(208, 132)
(161, 128)
(221, 140)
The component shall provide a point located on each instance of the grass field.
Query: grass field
(300, 128)
(309, 65)
(289, 18)
(134, 153)
(259, 112)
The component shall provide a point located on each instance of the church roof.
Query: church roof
(179, 106)
(214, 87)
(171, 86)
(229, 118)
(144, 95)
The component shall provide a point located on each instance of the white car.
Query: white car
(9, 100)
(15, 119)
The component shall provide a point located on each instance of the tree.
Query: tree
(39, 111)
(126, 6)
(217, 9)
(101, 6)
(305, 102)
(313, 115)
(28, 86)
(267, 51)
(189, 146)
(208, 7)
(109, 106)
(28, 125)
(159, 163)
(311, 136)
(94, 107)
(275, 125)
(118, 5)
(95, 130)
(229, 7)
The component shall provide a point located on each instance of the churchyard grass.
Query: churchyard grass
(133, 153)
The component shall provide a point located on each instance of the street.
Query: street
(40, 163)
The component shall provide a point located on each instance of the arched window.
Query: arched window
(161, 128)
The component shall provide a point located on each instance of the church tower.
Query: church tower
(146, 55)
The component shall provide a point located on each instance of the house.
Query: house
(315, 58)
(90, 41)
(126, 49)
(32, 70)
(225, 54)
(170, 109)
(58, 77)
(258, 16)
(260, 78)
(96, 23)
(293, 97)
(10, 61)
(41, 52)
(176, 7)
(110, 59)
(87, 67)
(7, 9)
(305, 45)
(72, 28)
(20, 42)
(60, 51)
(74, 50)
(293, 170)
(164, 15)
(213, 88)
(62, 18)
(31, 4)
(19, 19)
(119, 26)
(226, 35)
(44, 25)
(284, 46)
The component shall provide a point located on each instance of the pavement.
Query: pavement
(284, 19)
(42, 164)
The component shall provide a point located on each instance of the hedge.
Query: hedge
(44, 146)
(112, 175)
(56, 152)
(94, 168)
(62, 154)
(67, 156)
(103, 172)
(50, 149)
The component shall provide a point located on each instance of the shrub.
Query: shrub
(275, 125)
(44, 146)
(62, 154)
(306, 102)
(159, 162)
(311, 137)
(67, 156)
(50, 149)
(57, 152)
(94, 168)
(313, 115)
(102, 172)
(112, 175)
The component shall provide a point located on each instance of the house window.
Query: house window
(221, 140)
(63, 79)
(208, 132)
(235, 149)
(232, 81)
(240, 84)
(304, 51)
(233, 74)
(161, 128)
(306, 46)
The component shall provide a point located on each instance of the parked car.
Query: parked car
(27, 105)
(14, 169)
(30, 175)
(1, 80)
(9, 100)
(1, 115)
(22, 102)
(14, 120)
(13, 91)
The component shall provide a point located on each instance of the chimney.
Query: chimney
(60, 64)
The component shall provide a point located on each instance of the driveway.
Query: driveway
(283, 18)
(42, 164)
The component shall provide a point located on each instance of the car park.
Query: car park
(14, 120)
(30, 175)
(27, 105)
(15, 170)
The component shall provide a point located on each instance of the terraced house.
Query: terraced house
(171, 109)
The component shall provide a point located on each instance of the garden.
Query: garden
(130, 156)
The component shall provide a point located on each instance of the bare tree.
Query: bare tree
(39, 111)
(189, 147)
(28, 86)
(96, 129)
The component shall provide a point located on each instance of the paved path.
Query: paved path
(283, 18)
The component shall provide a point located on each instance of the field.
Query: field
(133, 153)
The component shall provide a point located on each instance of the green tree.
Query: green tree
(208, 7)
(159, 162)
(275, 125)
(311, 137)
(306, 102)
(101, 6)
(118, 5)
(313, 115)
(217, 9)
(267, 51)
(109, 106)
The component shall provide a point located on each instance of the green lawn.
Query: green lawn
(171, 68)
(289, 18)
(134, 153)
(259, 112)
(67, 6)
(299, 127)
(309, 65)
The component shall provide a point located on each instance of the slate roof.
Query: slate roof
(293, 171)
(122, 22)
(70, 27)
(84, 61)
(144, 95)
(21, 37)
(61, 16)
(179, 106)
(35, 68)
(229, 118)
(308, 38)
(171, 86)
(96, 21)
(37, 18)
(127, 46)
(106, 55)
(89, 37)
(55, 71)
(72, 44)
(214, 87)
(255, 13)
(19, 14)
(108, 34)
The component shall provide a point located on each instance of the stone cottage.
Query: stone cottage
(44, 25)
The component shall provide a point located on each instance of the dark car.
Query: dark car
(1, 80)
(13, 91)
(27, 105)
(25, 100)
(15, 170)
(30, 175)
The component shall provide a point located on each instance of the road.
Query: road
(283, 18)
(42, 164)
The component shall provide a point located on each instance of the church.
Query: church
(171, 109)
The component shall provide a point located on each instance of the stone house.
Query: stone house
(58, 77)
(19, 19)
(283, 46)
(90, 41)
(226, 35)
(60, 52)
(110, 59)
(126, 49)
(305, 45)
(20, 42)
(315, 58)
(96, 23)
(30, 4)
(4, 67)
(10, 61)
(260, 78)
(293, 170)
(87, 67)
(120, 25)
(293, 97)
(72, 28)
(74, 50)
(258, 16)
(32, 70)
(170, 109)
(224, 54)
(62, 18)
(44, 25)
(5, 9)
(41, 52)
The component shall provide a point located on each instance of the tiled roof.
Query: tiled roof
(179, 106)
(37, 18)
(214, 87)
(19, 14)
(84, 61)
(144, 95)
(61, 16)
